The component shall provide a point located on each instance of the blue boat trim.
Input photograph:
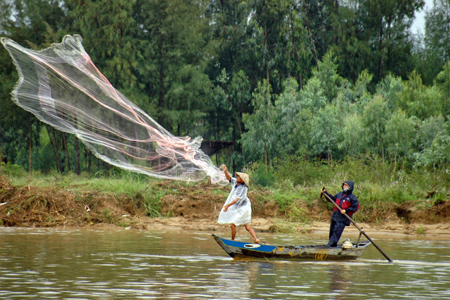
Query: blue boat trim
(241, 245)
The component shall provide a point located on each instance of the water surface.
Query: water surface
(129, 264)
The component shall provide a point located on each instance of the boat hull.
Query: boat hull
(245, 251)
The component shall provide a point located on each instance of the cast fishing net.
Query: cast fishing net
(62, 87)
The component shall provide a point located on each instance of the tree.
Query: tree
(400, 135)
(352, 52)
(260, 140)
(325, 130)
(390, 88)
(30, 23)
(174, 55)
(109, 31)
(326, 72)
(375, 116)
(437, 30)
(230, 99)
(277, 42)
(385, 25)
(228, 33)
(320, 19)
(437, 155)
(428, 130)
(418, 100)
(288, 121)
(353, 140)
(443, 84)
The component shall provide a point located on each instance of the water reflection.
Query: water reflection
(235, 281)
(340, 275)
(126, 264)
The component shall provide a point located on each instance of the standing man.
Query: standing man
(348, 204)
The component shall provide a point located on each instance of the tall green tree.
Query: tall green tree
(30, 23)
(260, 141)
(352, 51)
(431, 49)
(277, 41)
(326, 72)
(109, 37)
(228, 33)
(353, 141)
(443, 84)
(325, 131)
(419, 100)
(375, 116)
(288, 120)
(175, 52)
(386, 27)
(437, 30)
(390, 88)
(399, 135)
(321, 18)
(230, 99)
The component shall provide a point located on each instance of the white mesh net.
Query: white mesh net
(62, 87)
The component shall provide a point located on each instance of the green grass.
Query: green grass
(421, 230)
(374, 181)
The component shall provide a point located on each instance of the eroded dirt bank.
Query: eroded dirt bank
(197, 208)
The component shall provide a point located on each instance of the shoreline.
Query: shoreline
(398, 230)
(264, 226)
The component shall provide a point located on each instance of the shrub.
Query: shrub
(262, 176)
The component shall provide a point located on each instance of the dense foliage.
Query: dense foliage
(285, 80)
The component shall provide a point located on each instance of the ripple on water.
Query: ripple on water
(138, 264)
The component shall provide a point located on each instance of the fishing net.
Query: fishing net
(62, 87)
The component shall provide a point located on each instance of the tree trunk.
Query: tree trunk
(54, 143)
(31, 150)
(77, 149)
(233, 161)
(395, 163)
(310, 36)
(266, 46)
(77, 156)
(217, 134)
(329, 154)
(237, 121)
(381, 50)
(1, 146)
(161, 93)
(67, 151)
(89, 161)
(265, 155)
(161, 77)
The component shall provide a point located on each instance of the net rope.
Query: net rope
(62, 87)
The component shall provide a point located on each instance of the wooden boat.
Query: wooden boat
(244, 251)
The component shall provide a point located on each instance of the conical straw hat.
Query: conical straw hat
(244, 177)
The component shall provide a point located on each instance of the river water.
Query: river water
(131, 264)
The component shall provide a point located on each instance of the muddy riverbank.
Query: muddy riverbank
(197, 208)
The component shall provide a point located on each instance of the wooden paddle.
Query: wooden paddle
(361, 230)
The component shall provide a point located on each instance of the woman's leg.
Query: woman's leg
(252, 232)
(233, 231)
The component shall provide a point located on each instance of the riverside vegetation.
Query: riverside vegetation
(288, 195)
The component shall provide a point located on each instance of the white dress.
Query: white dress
(239, 213)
